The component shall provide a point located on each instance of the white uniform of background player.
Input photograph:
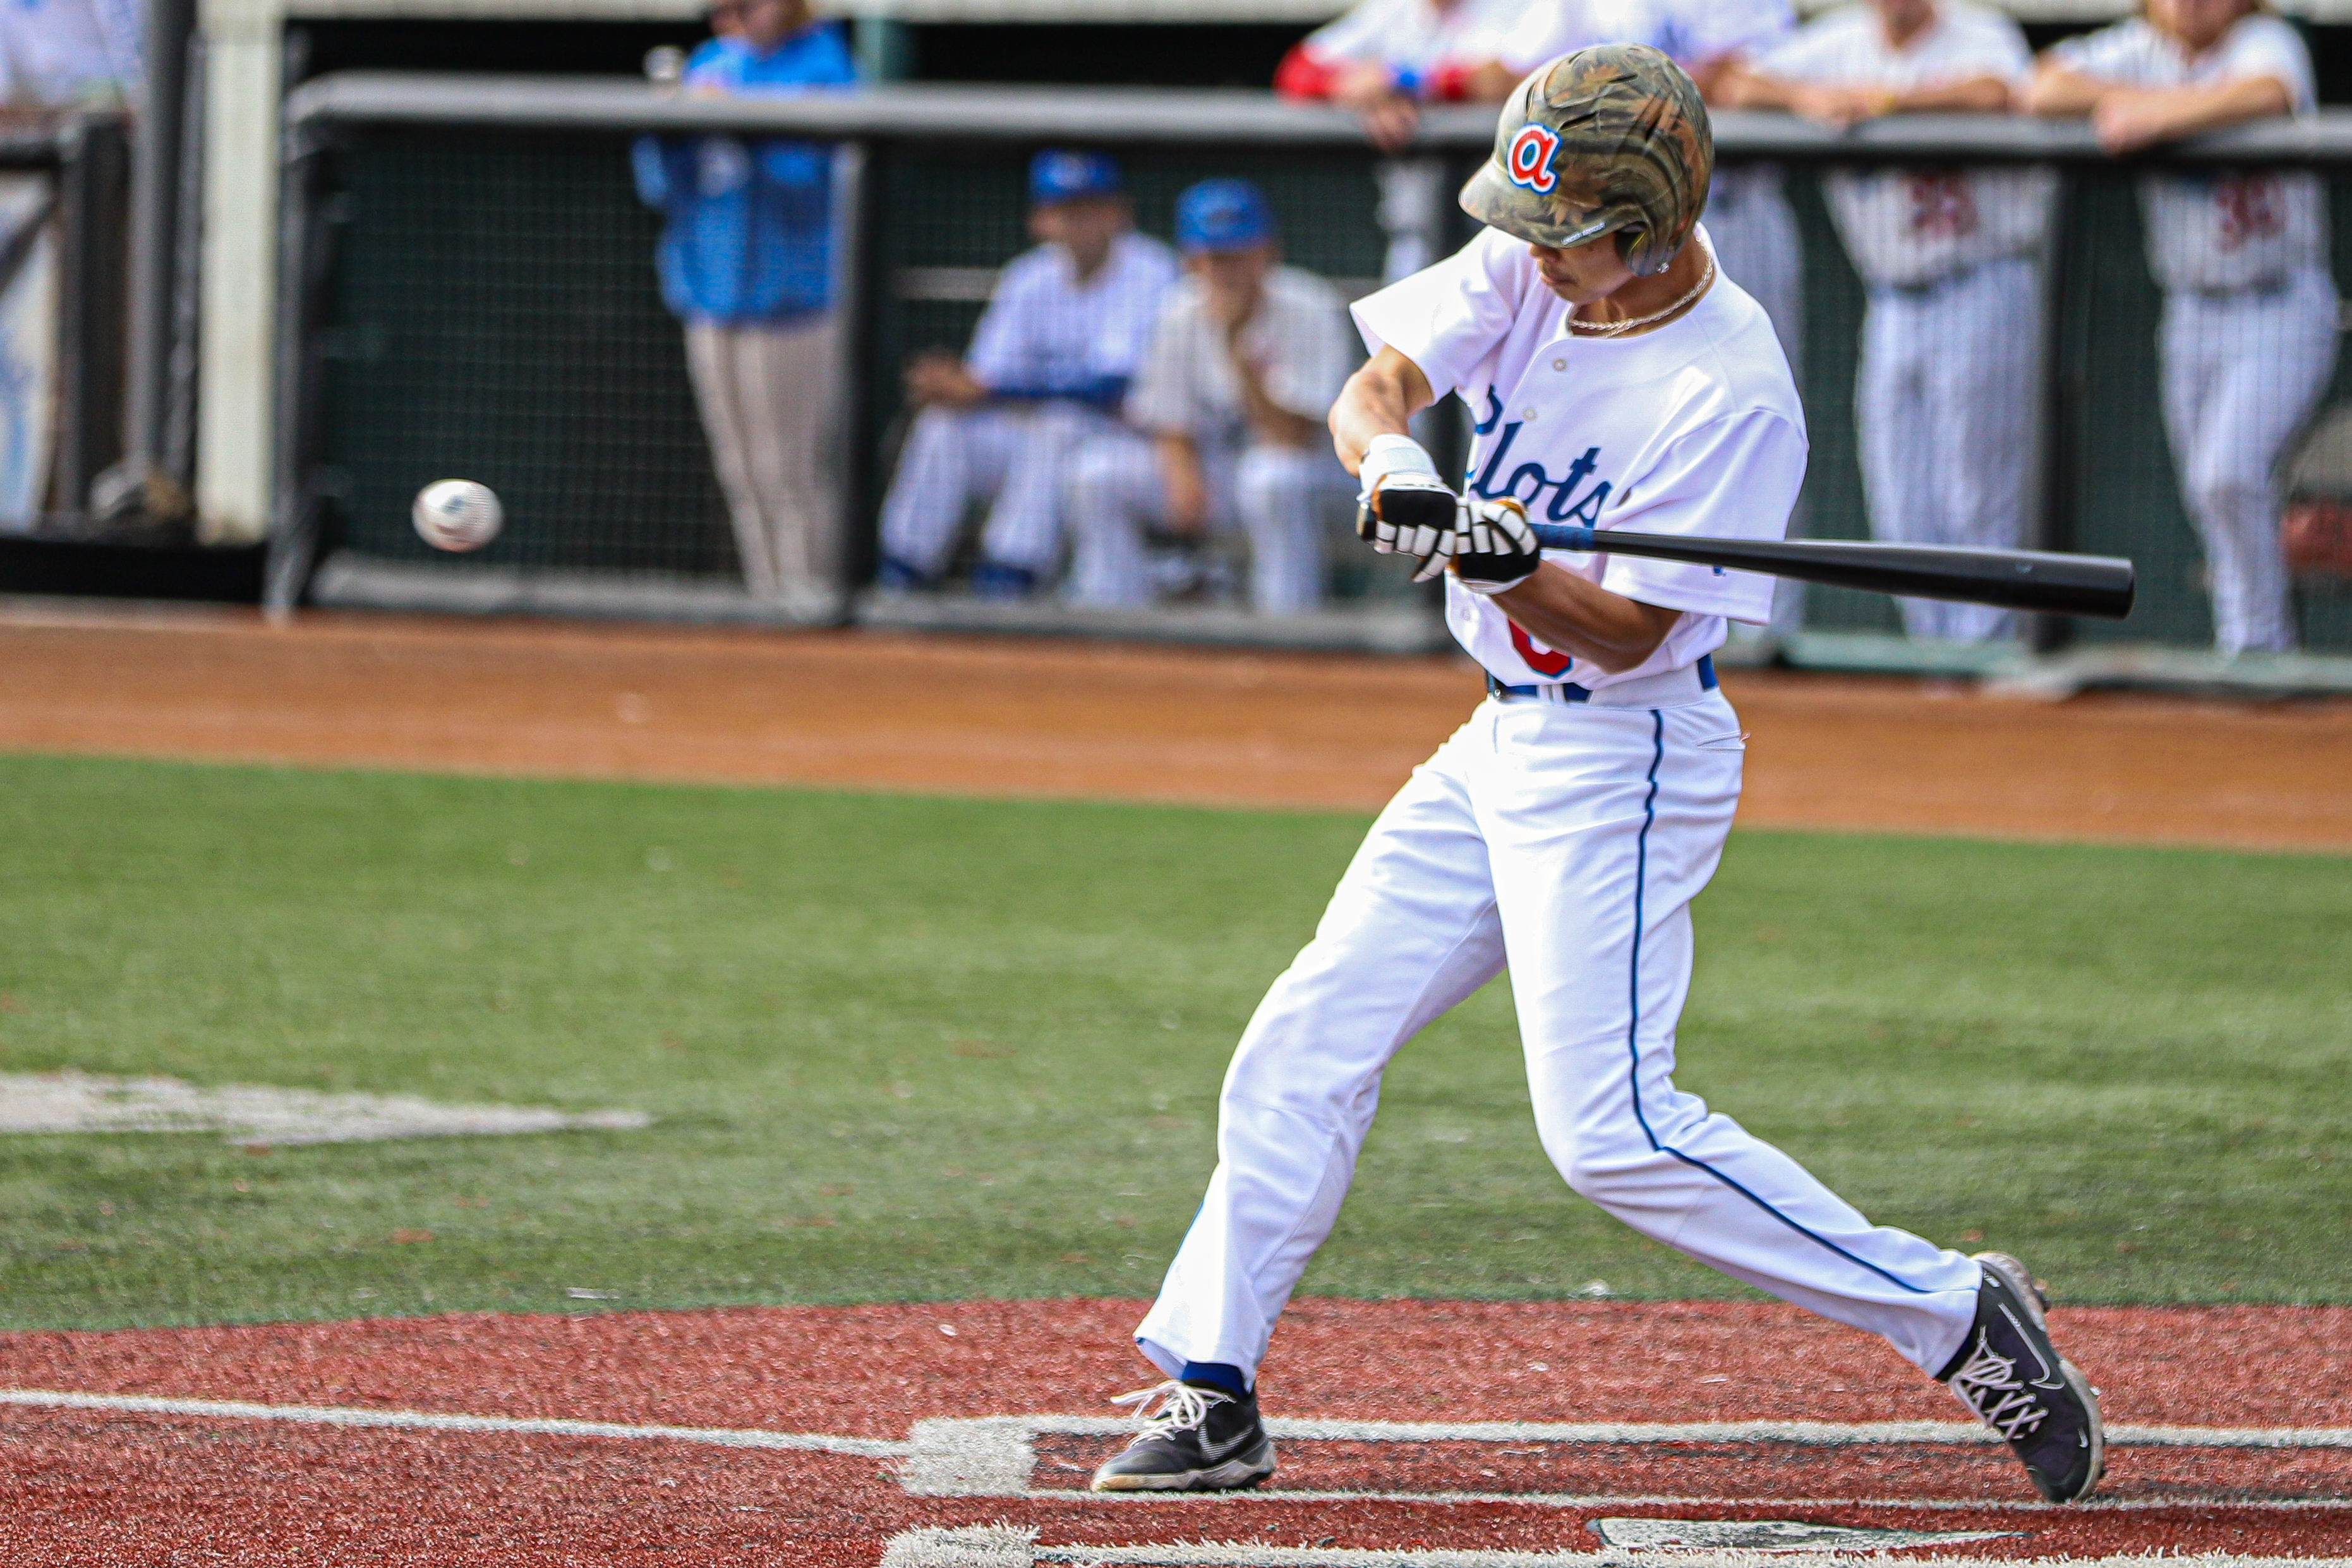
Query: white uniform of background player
(1943, 396)
(1565, 832)
(1421, 51)
(2250, 314)
(1747, 210)
(1278, 492)
(1054, 353)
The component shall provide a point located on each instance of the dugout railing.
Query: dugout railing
(468, 288)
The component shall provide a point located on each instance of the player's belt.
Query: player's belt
(1687, 684)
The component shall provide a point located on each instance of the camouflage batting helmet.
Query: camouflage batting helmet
(1609, 140)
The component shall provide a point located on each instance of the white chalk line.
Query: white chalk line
(1822, 1434)
(1625, 1500)
(1008, 1546)
(1018, 1428)
(433, 1421)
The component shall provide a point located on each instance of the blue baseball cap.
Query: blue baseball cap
(1223, 215)
(1058, 175)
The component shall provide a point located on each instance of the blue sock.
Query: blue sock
(1216, 1375)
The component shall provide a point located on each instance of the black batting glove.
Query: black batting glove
(1496, 549)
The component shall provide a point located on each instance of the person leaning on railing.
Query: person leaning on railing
(746, 262)
(2250, 310)
(1383, 60)
(1952, 329)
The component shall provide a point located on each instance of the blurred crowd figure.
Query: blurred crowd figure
(2248, 339)
(746, 260)
(1952, 259)
(1049, 368)
(1951, 336)
(1245, 361)
(1120, 417)
(54, 54)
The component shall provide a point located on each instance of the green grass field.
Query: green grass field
(905, 1048)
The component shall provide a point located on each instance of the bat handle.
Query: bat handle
(1559, 536)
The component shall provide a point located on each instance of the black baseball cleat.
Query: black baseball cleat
(1203, 1439)
(2013, 1379)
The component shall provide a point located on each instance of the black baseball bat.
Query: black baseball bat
(2017, 579)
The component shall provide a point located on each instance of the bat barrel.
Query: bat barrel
(2035, 580)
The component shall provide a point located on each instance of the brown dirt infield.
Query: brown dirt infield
(1092, 720)
(1075, 720)
(115, 1487)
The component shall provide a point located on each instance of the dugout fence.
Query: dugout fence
(469, 289)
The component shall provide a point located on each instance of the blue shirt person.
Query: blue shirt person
(746, 262)
(749, 231)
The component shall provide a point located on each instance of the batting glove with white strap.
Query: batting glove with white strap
(1496, 550)
(1404, 507)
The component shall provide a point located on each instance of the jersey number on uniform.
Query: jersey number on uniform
(1539, 659)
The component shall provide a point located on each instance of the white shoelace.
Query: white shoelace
(1182, 1405)
(1989, 1385)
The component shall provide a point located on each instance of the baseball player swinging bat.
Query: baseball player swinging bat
(2015, 579)
(1562, 833)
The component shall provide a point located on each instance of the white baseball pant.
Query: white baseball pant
(1013, 459)
(765, 392)
(1277, 495)
(1944, 404)
(2241, 372)
(1569, 840)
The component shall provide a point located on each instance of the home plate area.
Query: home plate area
(1411, 1434)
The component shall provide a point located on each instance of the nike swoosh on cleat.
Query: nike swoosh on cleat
(2050, 1377)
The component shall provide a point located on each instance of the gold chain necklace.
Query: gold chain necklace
(1617, 329)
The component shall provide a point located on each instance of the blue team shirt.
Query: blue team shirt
(749, 230)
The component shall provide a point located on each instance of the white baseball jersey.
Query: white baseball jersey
(2234, 229)
(1298, 339)
(1044, 329)
(1692, 32)
(1415, 35)
(1693, 427)
(1906, 227)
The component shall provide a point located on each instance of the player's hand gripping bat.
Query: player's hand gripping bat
(2016, 579)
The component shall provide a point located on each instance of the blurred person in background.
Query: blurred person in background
(54, 54)
(2247, 340)
(1943, 396)
(69, 54)
(1049, 367)
(1384, 60)
(746, 262)
(1243, 369)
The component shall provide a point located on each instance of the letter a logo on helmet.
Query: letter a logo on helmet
(1609, 140)
(1529, 159)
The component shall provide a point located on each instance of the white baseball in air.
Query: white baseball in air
(456, 514)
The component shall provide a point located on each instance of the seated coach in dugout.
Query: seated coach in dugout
(2247, 340)
(1049, 367)
(746, 262)
(1245, 362)
(1951, 334)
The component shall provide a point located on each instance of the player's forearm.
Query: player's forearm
(1981, 95)
(1380, 399)
(1606, 630)
(2056, 92)
(1740, 88)
(2187, 110)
